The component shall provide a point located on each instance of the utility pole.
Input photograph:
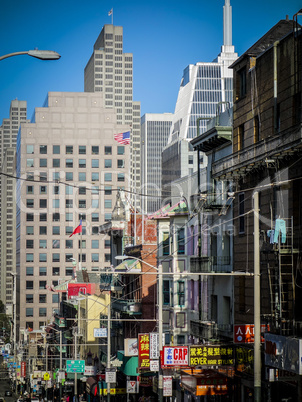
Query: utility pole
(160, 329)
(109, 345)
(257, 332)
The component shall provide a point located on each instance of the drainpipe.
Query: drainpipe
(276, 85)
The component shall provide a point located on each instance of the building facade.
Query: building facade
(155, 129)
(69, 166)
(110, 71)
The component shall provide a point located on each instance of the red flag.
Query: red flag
(78, 229)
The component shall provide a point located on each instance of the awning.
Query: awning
(129, 265)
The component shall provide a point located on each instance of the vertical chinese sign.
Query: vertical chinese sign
(143, 351)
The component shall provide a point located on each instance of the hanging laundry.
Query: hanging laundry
(270, 234)
(280, 226)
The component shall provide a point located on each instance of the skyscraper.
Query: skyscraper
(110, 70)
(204, 90)
(155, 129)
(69, 166)
(8, 138)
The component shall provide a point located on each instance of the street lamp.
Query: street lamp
(159, 270)
(38, 54)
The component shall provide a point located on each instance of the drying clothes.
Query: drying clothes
(280, 226)
(270, 234)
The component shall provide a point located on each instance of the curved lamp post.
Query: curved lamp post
(38, 54)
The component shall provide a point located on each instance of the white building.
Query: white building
(70, 167)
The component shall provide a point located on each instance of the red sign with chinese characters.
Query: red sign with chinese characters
(143, 351)
(23, 369)
(244, 333)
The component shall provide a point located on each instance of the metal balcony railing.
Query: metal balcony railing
(211, 264)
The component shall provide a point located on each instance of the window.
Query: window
(108, 150)
(43, 149)
(43, 230)
(69, 176)
(68, 243)
(82, 163)
(42, 271)
(95, 257)
(94, 189)
(29, 189)
(82, 190)
(190, 161)
(68, 271)
(95, 149)
(55, 298)
(108, 190)
(120, 150)
(68, 190)
(29, 325)
(95, 230)
(107, 243)
(82, 149)
(180, 320)
(42, 298)
(94, 217)
(42, 312)
(69, 163)
(29, 162)
(29, 257)
(29, 230)
(56, 230)
(82, 244)
(180, 339)
(108, 176)
(56, 217)
(166, 243)
(56, 149)
(68, 203)
(95, 203)
(108, 163)
(121, 177)
(29, 176)
(56, 270)
(55, 163)
(43, 203)
(82, 203)
(42, 257)
(241, 137)
(69, 149)
(95, 176)
(43, 162)
(68, 257)
(108, 203)
(107, 257)
(82, 176)
(43, 190)
(42, 284)
(241, 85)
(55, 257)
(29, 149)
(166, 292)
(94, 163)
(108, 216)
(69, 230)
(181, 241)
(56, 244)
(29, 312)
(120, 163)
(29, 284)
(42, 243)
(241, 212)
(29, 298)
(29, 244)
(56, 176)
(181, 293)
(69, 217)
(94, 244)
(29, 203)
(256, 129)
(29, 271)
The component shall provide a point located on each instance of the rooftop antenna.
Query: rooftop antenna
(227, 23)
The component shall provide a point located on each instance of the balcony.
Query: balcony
(219, 264)
(259, 155)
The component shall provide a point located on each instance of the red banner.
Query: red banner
(143, 351)
(23, 369)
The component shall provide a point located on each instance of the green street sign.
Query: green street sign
(75, 366)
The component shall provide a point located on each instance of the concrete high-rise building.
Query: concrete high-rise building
(206, 89)
(69, 166)
(155, 129)
(110, 71)
(8, 138)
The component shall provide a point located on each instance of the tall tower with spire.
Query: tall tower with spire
(203, 88)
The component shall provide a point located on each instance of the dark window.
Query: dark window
(241, 212)
(242, 82)
(56, 217)
(29, 217)
(181, 293)
(181, 241)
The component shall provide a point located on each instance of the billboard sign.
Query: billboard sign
(211, 355)
(143, 351)
(175, 356)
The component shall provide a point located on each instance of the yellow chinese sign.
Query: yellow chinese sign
(211, 355)
(143, 351)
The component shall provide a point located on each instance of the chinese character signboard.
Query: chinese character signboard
(244, 333)
(23, 369)
(175, 356)
(154, 345)
(167, 386)
(211, 355)
(143, 351)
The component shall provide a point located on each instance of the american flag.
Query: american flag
(110, 12)
(123, 138)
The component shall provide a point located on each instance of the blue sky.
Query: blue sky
(163, 35)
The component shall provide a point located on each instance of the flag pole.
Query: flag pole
(112, 17)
